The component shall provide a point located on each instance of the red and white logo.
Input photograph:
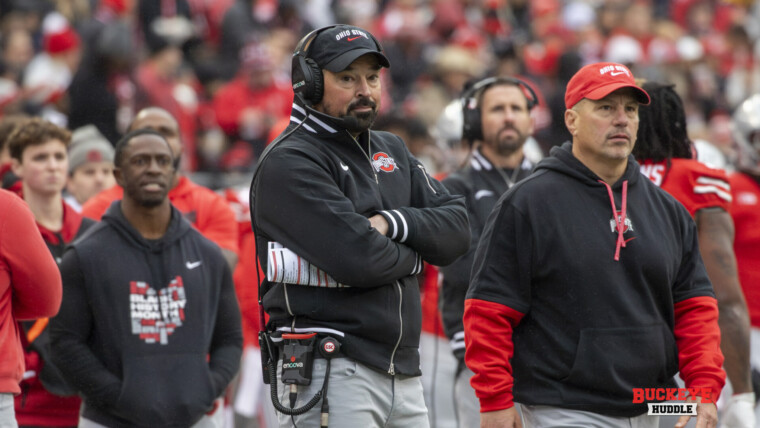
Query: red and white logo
(382, 162)
(614, 70)
(627, 224)
(355, 33)
(329, 347)
(672, 401)
(156, 314)
(654, 172)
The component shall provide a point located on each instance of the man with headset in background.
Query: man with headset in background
(357, 214)
(496, 123)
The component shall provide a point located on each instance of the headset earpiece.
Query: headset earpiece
(307, 78)
(306, 75)
(472, 128)
(472, 124)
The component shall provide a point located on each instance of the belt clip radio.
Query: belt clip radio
(298, 358)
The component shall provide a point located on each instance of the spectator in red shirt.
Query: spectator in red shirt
(248, 106)
(162, 82)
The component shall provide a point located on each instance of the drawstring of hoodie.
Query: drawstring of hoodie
(619, 221)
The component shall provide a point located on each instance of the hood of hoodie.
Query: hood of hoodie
(562, 160)
(178, 226)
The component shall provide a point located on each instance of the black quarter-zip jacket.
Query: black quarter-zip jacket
(314, 194)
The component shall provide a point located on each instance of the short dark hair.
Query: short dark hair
(33, 132)
(8, 124)
(662, 126)
(123, 143)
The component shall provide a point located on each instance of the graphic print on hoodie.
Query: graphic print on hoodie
(156, 314)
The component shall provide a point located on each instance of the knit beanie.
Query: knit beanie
(88, 145)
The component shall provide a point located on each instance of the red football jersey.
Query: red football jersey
(745, 211)
(694, 184)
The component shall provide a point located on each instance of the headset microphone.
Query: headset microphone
(349, 122)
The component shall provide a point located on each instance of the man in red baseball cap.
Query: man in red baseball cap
(587, 285)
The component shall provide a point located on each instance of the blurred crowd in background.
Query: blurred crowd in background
(222, 67)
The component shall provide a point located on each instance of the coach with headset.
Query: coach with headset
(496, 123)
(347, 215)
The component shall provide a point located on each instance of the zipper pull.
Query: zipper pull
(376, 180)
(392, 370)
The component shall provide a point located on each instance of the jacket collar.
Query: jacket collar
(318, 123)
(480, 162)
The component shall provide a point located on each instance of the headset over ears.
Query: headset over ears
(472, 126)
(306, 74)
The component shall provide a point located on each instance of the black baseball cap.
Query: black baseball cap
(336, 48)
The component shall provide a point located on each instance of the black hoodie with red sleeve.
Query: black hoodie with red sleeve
(588, 304)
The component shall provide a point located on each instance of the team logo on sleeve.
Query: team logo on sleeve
(382, 162)
(155, 313)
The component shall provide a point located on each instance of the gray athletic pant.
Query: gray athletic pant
(358, 397)
(7, 415)
(468, 405)
(207, 421)
(548, 417)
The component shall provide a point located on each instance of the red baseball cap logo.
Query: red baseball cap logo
(596, 81)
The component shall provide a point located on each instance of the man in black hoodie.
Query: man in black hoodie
(149, 332)
(357, 213)
(588, 284)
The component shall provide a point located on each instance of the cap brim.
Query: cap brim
(345, 59)
(597, 94)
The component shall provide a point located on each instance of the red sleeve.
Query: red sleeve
(96, 206)
(216, 221)
(431, 317)
(698, 340)
(35, 279)
(488, 330)
(246, 287)
(698, 186)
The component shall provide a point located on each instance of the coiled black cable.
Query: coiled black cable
(301, 410)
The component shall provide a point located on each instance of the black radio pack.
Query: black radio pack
(298, 358)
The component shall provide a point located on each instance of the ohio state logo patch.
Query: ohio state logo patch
(382, 162)
(627, 224)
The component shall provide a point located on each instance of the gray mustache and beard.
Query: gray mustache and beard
(360, 121)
